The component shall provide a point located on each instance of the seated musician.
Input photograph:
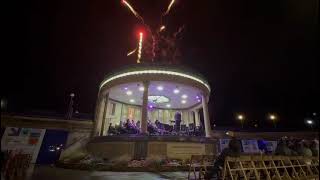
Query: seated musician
(157, 122)
(152, 129)
(111, 130)
(138, 124)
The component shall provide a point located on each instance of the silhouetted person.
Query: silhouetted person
(177, 120)
(315, 148)
(283, 149)
(233, 150)
(304, 150)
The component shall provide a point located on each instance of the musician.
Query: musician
(177, 119)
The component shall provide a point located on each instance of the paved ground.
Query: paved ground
(53, 173)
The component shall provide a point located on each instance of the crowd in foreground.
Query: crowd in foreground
(297, 147)
(286, 147)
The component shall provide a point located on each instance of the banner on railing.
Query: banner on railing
(223, 143)
(25, 140)
(250, 146)
(271, 146)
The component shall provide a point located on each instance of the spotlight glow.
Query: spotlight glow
(168, 105)
(132, 100)
(183, 101)
(184, 96)
(176, 91)
(140, 46)
(162, 28)
(129, 93)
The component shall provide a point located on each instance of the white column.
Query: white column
(144, 111)
(196, 117)
(105, 118)
(206, 118)
(99, 115)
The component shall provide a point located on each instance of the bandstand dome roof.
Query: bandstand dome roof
(171, 86)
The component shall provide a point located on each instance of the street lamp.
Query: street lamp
(309, 122)
(273, 118)
(70, 109)
(241, 118)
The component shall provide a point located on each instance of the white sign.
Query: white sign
(250, 146)
(224, 143)
(271, 145)
(26, 140)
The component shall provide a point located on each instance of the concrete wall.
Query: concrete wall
(173, 150)
(111, 150)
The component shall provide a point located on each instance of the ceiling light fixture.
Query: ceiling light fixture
(160, 88)
(129, 93)
(176, 91)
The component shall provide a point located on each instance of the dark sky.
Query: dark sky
(259, 56)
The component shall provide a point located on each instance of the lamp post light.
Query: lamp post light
(309, 122)
(274, 119)
(241, 118)
(70, 109)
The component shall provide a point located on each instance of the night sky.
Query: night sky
(259, 56)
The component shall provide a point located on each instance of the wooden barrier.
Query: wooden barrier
(16, 165)
(200, 163)
(271, 167)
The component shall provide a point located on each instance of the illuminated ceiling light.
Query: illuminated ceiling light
(176, 91)
(125, 88)
(141, 88)
(129, 93)
(132, 100)
(184, 96)
(168, 105)
(183, 101)
(160, 88)
(150, 106)
(155, 72)
(199, 100)
(197, 97)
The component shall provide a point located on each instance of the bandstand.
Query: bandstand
(149, 93)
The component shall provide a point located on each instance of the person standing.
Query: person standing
(177, 120)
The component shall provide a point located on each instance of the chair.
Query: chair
(200, 163)
(271, 167)
(195, 162)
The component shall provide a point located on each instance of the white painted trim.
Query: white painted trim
(140, 72)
